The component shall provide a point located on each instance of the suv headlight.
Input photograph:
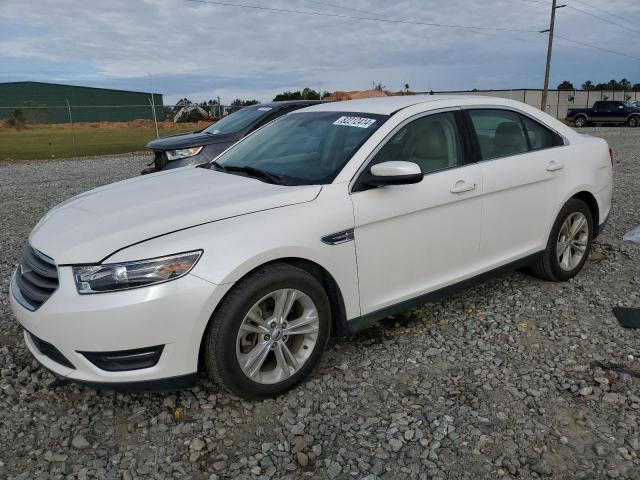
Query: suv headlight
(183, 153)
(110, 277)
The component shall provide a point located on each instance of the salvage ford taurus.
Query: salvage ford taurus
(330, 217)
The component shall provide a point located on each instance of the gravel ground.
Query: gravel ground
(516, 378)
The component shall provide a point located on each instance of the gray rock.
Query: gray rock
(542, 467)
(80, 443)
(395, 444)
(197, 444)
(334, 469)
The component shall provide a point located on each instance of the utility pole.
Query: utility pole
(545, 91)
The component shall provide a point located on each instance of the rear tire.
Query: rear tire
(256, 349)
(569, 243)
(580, 121)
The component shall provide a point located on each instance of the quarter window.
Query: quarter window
(433, 142)
(539, 137)
(499, 133)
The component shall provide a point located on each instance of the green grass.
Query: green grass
(57, 141)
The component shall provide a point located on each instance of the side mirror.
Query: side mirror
(393, 173)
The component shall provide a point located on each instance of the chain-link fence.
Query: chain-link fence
(36, 132)
(66, 130)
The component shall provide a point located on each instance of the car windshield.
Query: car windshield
(628, 104)
(238, 121)
(303, 147)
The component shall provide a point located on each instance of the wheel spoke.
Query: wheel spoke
(565, 258)
(285, 361)
(255, 315)
(250, 328)
(284, 301)
(579, 247)
(304, 325)
(577, 225)
(291, 359)
(256, 359)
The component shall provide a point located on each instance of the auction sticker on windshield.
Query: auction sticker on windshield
(360, 122)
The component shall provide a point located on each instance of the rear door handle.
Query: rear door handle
(554, 165)
(461, 186)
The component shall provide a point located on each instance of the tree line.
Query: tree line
(612, 84)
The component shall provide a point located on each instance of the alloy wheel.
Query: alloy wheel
(277, 336)
(573, 240)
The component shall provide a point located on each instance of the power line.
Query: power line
(602, 10)
(535, 3)
(409, 22)
(333, 5)
(596, 47)
(353, 17)
(603, 19)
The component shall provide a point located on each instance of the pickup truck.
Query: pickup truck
(606, 111)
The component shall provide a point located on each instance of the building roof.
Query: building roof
(75, 86)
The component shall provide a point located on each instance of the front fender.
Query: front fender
(236, 246)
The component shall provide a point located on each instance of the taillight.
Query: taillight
(611, 156)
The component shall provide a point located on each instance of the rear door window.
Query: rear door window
(499, 133)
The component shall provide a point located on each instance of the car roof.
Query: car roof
(391, 104)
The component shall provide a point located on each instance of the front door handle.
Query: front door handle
(554, 165)
(461, 186)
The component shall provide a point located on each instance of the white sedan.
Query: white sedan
(327, 219)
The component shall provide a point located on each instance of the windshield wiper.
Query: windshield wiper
(252, 172)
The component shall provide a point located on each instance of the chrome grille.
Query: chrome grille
(36, 278)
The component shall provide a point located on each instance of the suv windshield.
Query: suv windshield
(302, 148)
(238, 120)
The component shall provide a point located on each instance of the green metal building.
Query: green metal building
(54, 103)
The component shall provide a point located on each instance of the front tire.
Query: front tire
(634, 121)
(268, 333)
(569, 243)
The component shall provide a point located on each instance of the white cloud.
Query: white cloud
(254, 53)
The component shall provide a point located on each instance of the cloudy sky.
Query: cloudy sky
(202, 50)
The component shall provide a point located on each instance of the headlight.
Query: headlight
(183, 153)
(141, 273)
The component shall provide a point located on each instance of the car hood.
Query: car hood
(91, 226)
(186, 140)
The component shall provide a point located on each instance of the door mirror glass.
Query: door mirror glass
(393, 173)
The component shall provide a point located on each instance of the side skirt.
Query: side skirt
(356, 324)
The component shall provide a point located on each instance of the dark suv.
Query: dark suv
(202, 146)
(606, 111)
